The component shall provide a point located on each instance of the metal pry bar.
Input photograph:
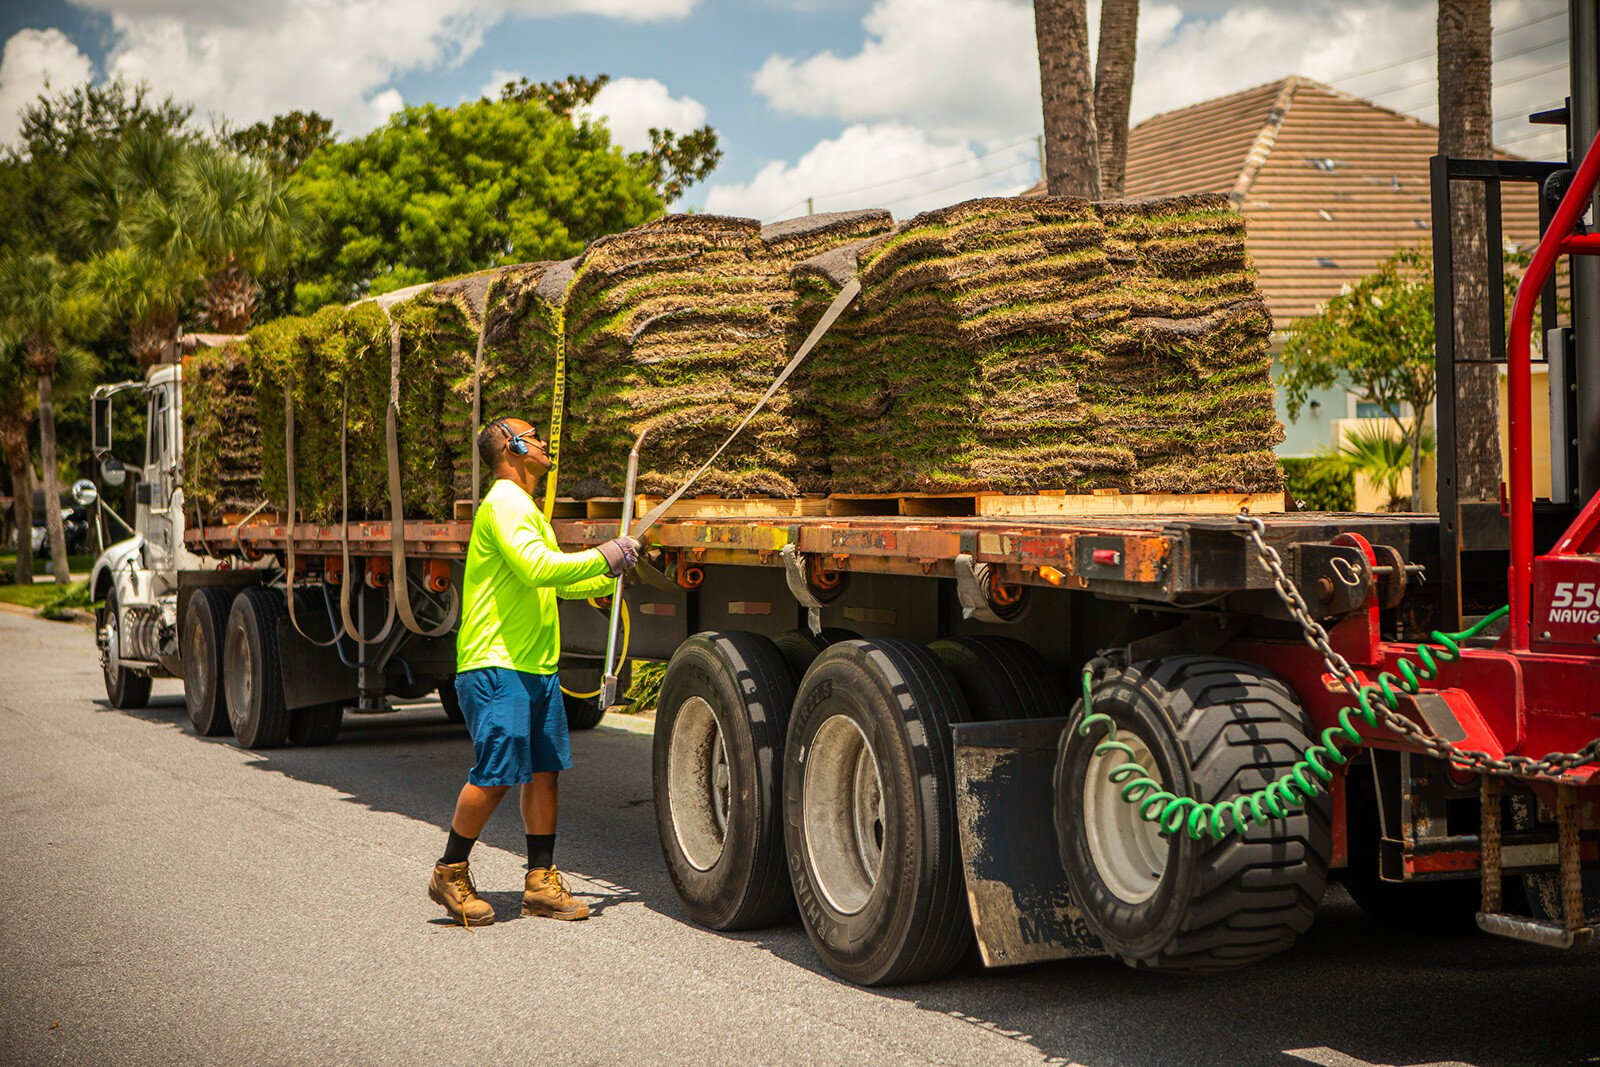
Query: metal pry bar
(608, 685)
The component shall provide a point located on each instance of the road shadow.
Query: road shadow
(1350, 985)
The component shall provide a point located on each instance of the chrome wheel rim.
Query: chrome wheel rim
(842, 811)
(1129, 853)
(240, 679)
(698, 783)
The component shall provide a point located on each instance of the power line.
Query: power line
(1433, 52)
(959, 184)
(919, 174)
(1430, 79)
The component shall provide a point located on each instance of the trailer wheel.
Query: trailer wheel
(718, 764)
(802, 647)
(1002, 678)
(203, 624)
(316, 725)
(125, 689)
(1210, 728)
(252, 677)
(869, 813)
(449, 701)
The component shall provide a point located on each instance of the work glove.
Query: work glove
(621, 554)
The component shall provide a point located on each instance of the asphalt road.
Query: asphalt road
(170, 900)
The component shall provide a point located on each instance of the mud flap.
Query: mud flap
(1022, 911)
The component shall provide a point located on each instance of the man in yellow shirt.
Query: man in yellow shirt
(507, 651)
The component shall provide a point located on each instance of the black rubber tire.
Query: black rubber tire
(125, 689)
(741, 881)
(912, 922)
(585, 713)
(802, 647)
(1002, 678)
(450, 701)
(1216, 728)
(316, 725)
(252, 675)
(203, 624)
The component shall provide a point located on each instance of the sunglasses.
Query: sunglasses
(515, 443)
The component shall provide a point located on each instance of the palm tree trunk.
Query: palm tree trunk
(1113, 89)
(1466, 120)
(14, 439)
(52, 484)
(230, 298)
(1071, 147)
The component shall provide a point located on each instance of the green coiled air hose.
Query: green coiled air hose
(1301, 782)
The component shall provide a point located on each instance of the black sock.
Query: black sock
(457, 848)
(541, 851)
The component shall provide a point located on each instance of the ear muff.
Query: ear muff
(514, 442)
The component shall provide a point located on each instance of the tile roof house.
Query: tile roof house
(1330, 184)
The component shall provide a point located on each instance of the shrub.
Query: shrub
(1320, 483)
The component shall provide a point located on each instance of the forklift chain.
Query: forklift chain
(1551, 766)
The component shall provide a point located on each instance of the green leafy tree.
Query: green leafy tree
(38, 301)
(284, 143)
(444, 191)
(1376, 339)
(18, 405)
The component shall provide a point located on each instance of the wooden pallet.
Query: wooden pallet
(1102, 502)
(698, 507)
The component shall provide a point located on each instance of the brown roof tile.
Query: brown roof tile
(1330, 184)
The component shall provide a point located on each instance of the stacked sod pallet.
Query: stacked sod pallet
(675, 329)
(960, 366)
(1185, 379)
(221, 440)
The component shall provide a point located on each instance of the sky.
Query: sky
(820, 104)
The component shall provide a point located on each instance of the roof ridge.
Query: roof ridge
(1266, 137)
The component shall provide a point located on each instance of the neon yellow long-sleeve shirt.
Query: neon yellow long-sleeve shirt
(514, 574)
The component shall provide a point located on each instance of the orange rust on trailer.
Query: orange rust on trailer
(333, 569)
(437, 575)
(380, 571)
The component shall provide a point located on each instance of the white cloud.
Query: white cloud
(249, 62)
(880, 165)
(384, 104)
(957, 68)
(631, 106)
(36, 60)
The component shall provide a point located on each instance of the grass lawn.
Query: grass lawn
(78, 564)
(42, 594)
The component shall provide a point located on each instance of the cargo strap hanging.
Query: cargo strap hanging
(558, 404)
(850, 291)
(401, 593)
(289, 563)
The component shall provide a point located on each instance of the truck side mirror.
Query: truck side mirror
(100, 433)
(112, 471)
(84, 492)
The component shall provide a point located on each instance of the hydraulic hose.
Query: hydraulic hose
(1198, 818)
(622, 657)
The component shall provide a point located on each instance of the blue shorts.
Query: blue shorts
(518, 724)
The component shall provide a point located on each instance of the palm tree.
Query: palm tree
(1071, 146)
(229, 217)
(1113, 88)
(16, 427)
(145, 292)
(1383, 459)
(39, 304)
(1466, 120)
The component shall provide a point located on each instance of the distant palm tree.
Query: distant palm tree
(1113, 89)
(229, 218)
(38, 302)
(17, 407)
(1466, 123)
(1384, 459)
(1071, 145)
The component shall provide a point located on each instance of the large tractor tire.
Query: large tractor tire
(1002, 678)
(1209, 728)
(718, 764)
(869, 812)
(203, 623)
(125, 689)
(252, 674)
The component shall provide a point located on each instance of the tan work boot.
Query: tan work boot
(545, 893)
(451, 886)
